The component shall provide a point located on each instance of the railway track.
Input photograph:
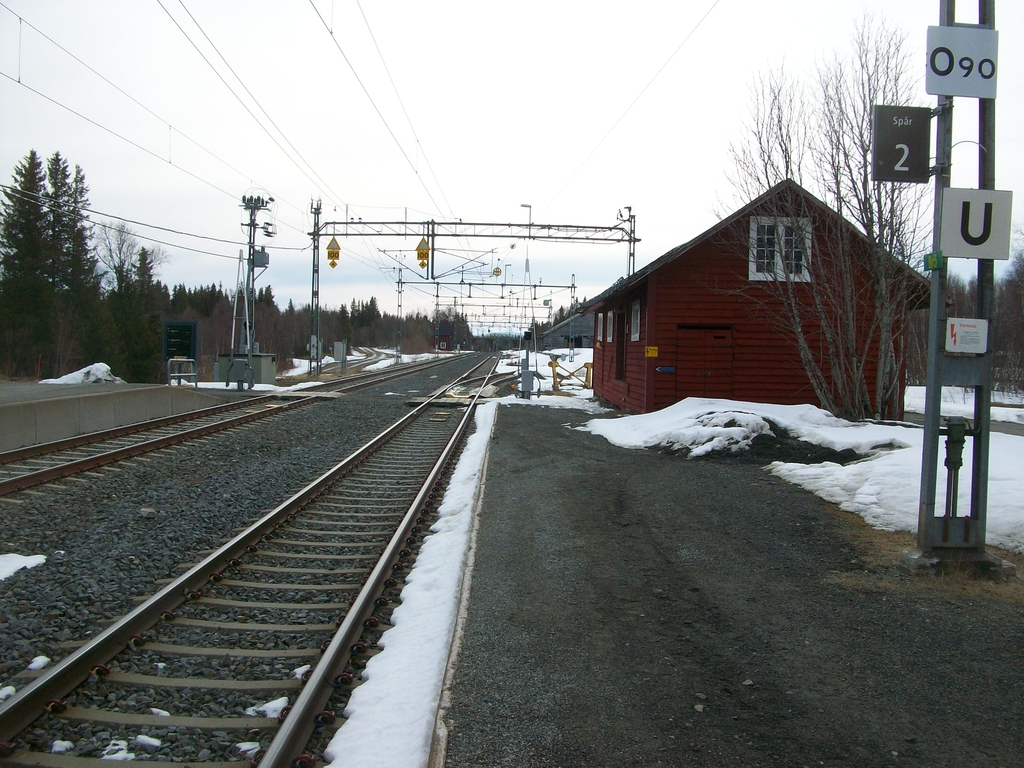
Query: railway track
(290, 607)
(33, 465)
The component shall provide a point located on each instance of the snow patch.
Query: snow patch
(117, 750)
(97, 373)
(12, 563)
(270, 709)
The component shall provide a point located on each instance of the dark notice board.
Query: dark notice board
(181, 339)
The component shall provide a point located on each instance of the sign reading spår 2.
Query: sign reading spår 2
(962, 62)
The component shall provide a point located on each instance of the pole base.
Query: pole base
(935, 562)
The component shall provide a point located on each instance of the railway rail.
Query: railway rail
(33, 465)
(312, 582)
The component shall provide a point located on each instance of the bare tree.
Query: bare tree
(1008, 327)
(843, 325)
(889, 214)
(777, 136)
(118, 253)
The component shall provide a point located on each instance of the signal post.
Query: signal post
(962, 61)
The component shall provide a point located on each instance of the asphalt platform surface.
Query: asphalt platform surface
(638, 608)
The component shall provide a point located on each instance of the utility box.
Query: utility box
(232, 367)
(525, 383)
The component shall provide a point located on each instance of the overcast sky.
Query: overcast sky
(497, 105)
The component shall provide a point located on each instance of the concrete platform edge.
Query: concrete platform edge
(41, 421)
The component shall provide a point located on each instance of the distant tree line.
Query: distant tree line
(75, 292)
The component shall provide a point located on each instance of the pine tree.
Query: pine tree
(78, 327)
(144, 362)
(51, 315)
(25, 288)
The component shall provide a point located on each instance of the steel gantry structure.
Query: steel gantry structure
(624, 231)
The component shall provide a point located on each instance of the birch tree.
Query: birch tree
(819, 135)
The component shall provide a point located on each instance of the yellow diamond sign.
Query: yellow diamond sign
(333, 252)
(423, 252)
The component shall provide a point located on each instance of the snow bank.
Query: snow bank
(97, 373)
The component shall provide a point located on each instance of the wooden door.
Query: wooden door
(703, 362)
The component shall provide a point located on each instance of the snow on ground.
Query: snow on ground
(883, 487)
(117, 750)
(300, 367)
(957, 401)
(396, 704)
(97, 373)
(11, 563)
(268, 709)
(389, 359)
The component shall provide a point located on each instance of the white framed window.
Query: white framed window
(610, 327)
(600, 326)
(634, 322)
(780, 248)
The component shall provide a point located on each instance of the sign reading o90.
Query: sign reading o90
(962, 61)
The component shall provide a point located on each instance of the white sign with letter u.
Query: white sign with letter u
(976, 223)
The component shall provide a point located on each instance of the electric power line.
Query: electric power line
(15, 192)
(404, 110)
(125, 139)
(112, 132)
(631, 105)
(242, 102)
(375, 107)
(127, 95)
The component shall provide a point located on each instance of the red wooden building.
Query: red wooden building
(709, 318)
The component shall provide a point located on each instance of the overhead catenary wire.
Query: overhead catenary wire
(114, 133)
(171, 128)
(125, 139)
(375, 107)
(50, 201)
(137, 102)
(335, 200)
(124, 93)
(401, 103)
(631, 105)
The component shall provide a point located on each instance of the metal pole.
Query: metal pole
(314, 302)
(432, 242)
(250, 280)
(986, 300)
(936, 316)
(398, 343)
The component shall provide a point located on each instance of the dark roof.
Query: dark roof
(624, 283)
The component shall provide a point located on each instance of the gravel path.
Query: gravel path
(645, 609)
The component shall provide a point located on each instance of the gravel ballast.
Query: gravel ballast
(109, 534)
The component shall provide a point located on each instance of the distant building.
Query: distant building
(703, 319)
(577, 328)
(444, 339)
